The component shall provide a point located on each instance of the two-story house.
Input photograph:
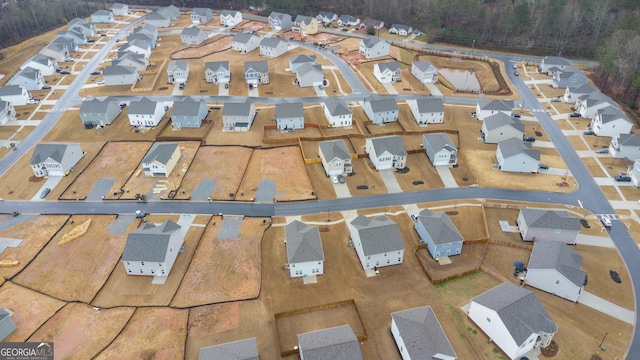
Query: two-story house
(337, 112)
(386, 152)
(217, 72)
(378, 241)
(336, 158)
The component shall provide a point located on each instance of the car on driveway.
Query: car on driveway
(528, 139)
(181, 86)
(556, 99)
(100, 82)
(625, 178)
(46, 87)
(602, 151)
(543, 166)
(33, 101)
(334, 179)
(44, 193)
(516, 115)
(65, 72)
(96, 73)
(588, 132)
(341, 179)
(538, 133)
(575, 115)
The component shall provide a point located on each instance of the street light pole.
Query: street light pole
(472, 46)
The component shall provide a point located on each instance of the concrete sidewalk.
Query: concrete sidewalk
(609, 308)
(592, 240)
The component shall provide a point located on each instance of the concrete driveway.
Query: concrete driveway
(390, 181)
(446, 176)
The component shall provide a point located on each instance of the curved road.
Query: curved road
(588, 192)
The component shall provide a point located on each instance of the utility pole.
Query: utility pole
(472, 46)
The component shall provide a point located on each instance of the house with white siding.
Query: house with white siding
(245, 42)
(289, 116)
(29, 78)
(238, 116)
(171, 12)
(76, 34)
(549, 62)
(273, 47)
(336, 158)
(387, 72)
(378, 241)
(94, 111)
(424, 71)
(230, 18)
(158, 19)
(188, 113)
(7, 112)
(178, 71)
(120, 9)
(499, 127)
(513, 318)
(145, 112)
(634, 173)
(568, 77)
(305, 256)
(337, 112)
(193, 35)
(439, 233)
(151, 250)
(201, 15)
(137, 61)
(625, 146)
(119, 75)
(386, 152)
(217, 72)
(400, 29)
(573, 93)
(555, 267)
(543, 224)
(298, 60)
(515, 155)
(102, 16)
(47, 65)
(326, 17)
(440, 149)
(611, 122)
(256, 72)
(427, 110)
(69, 43)
(375, 24)
(309, 75)
(57, 51)
(279, 21)
(149, 30)
(588, 105)
(137, 46)
(419, 335)
(15, 94)
(55, 159)
(348, 20)
(487, 107)
(381, 110)
(88, 28)
(373, 47)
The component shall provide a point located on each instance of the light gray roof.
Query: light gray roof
(145, 106)
(334, 149)
(582, 89)
(629, 139)
(422, 333)
(102, 12)
(496, 105)
(423, 65)
(390, 143)
(438, 141)
(202, 11)
(142, 44)
(216, 65)
(191, 31)
(271, 42)
(501, 119)
(3, 314)
(229, 12)
(96, 106)
(260, 66)
(118, 6)
(43, 151)
(339, 342)
(303, 243)
(308, 68)
(160, 152)
(302, 58)
(289, 110)
(42, 59)
(555, 60)
(78, 21)
(187, 107)
(382, 104)
(149, 242)
(373, 23)
(611, 113)
(243, 38)
(378, 235)
(519, 309)
(278, 15)
(119, 70)
(246, 349)
(144, 36)
(559, 256)
(146, 28)
(597, 97)
(371, 41)
(326, 14)
(128, 58)
(514, 146)
(303, 19)
(8, 90)
(391, 66)
(549, 219)
(156, 16)
(29, 73)
(401, 27)
(177, 65)
(568, 73)
(429, 105)
(439, 227)
(347, 18)
(236, 109)
(337, 106)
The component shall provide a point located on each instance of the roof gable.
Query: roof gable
(303, 243)
(378, 235)
(558, 256)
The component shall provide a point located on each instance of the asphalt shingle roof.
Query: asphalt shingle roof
(550, 219)
(439, 227)
(243, 38)
(289, 110)
(144, 106)
(119, 70)
(391, 66)
(515, 146)
(303, 243)
(423, 65)
(422, 333)
(378, 235)
(216, 65)
(8, 90)
(496, 105)
(438, 141)
(236, 109)
(382, 105)
(149, 242)
(160, 152)
(629, 140)
(259, 66)
(95, 106)
(339, 342)
(559, 256)
(337, 106)
(246, 349)
(43, 151)
(191, 31)
(390, 143)
(501, 119)
(334, 149)
(187, 107)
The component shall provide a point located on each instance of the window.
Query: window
(488, 319)
(557, 281)
(142, 263)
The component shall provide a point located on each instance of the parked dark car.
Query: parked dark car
(91, 41)
(65, 72)
(528, 139)
(516, 115)
(588, 132)
(44, 193)
(575, 115)
(181, 86)
(46, 87)
(625, 178)
(341, 179)
(602, 151)
(96, 73)
(543, 166)
(123, 105)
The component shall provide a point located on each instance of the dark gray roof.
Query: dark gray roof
(303, 19)
(160, 152)
(119, 70)
(390, 143)
(496, 105)
(347, 18)
(339, 342)
(302, 58)
(217, 65)
(438, 141)
(334, 149)
(127, 59)
(191, 31)
(371, 41)
(559, 256)
(146, 29)
(373, 23)
(337, 106)
(549, 219)
(149, 242)
(42, 59)
(326, 14)
(378, 235)
(422, 333)
(96, 106)
(271, 42)
(244, 38)
(514, 146)
(246, 349)
(423, 65)
(29, 73)
(144, 36)
(392, 66)
(303, 243)
(260, 66)
(202, 11)
(8, 90)
(501, 119)
(187, 107)
(4, 314)
(629, 139)
(519, 309)
(555, 60)
(439, 227)
(119, 6)
(383, 104)
(607, 117)
(289, 110)
(144, 106)
(43, 151)
(582, 89)
(102, 12)
(429, 105)
(236, 109)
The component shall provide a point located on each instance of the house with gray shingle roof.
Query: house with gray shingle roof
(136, 61)
(296, 61)
(99, 112)
(178, 71)
(427, 110)
(570, 76)
(158, 19)
(487, 107)
(230, 17)
(144, 36)
(119, 75)
(201, 15)
(400, 29)
(589, 104)
(6, 323)
(88, 28)
(625, 146)
(515, 155)
(500, 126)
(246, 349)
(386, 152)
(47, 65)
(152, 249)
(76, 34)
(381, 110)
(309, 75)
(256, 72)
(273, 47)
(373, 47)
(145, 112)
(553, 61)
(336, 158)
(279, 21)
(387, 72)
(245, 42)
(188, 113)
(555, 267)
(120, 9)
(419, 335)
(339, 342)
(378, 241)
(217, 72)
(55, 159)
(439, 233)
(161, 159)
(7, 112)
(29, 78)
(326, 17)
(147, 29)
(137, 46)
(305, 256)
(171, 12)
(424, 71)
(69, 43)
(376, 24)
(348, 20)
(15, 94)
(513, 318)
(610, 121)
(290, 116)
(102, 16)
(193, 35)
(543, 224)
(440, 149)
(337, 112)
(572, 93)
(57, 51)
(238, 116)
